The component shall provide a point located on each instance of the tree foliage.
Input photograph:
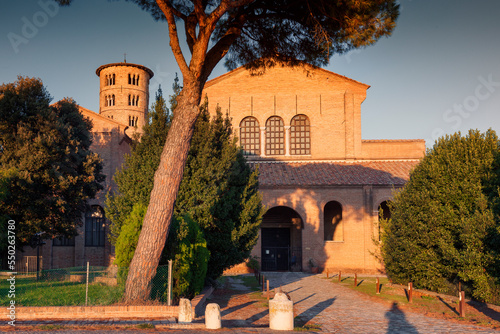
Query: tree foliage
(6, 177)
(187, 247)
(126, 242)
(444, 223)
(48, 147)
(260, 32)
(135, 179)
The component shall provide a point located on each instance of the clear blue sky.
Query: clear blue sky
(438, 73)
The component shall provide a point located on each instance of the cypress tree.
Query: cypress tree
(218, 190)
(135, 179)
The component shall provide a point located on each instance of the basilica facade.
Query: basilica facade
(321, 182)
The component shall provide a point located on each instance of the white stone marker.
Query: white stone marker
(281, 313)
(212, 316)
(185, 310)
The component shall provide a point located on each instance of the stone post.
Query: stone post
(212, 316)
(185, 310)
(281, 313)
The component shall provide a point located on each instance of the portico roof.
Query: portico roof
(334, 173)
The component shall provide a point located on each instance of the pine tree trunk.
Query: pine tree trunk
(167, 180)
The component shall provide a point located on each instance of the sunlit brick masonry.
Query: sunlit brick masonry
(322, 183)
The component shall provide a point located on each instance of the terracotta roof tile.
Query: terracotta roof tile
(338, 173)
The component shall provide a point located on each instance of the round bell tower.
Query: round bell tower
(124, 93)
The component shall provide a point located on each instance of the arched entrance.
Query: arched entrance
(281, 240)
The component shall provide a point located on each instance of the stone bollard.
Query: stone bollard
(281, 313)
(212, 316)
(185, 310)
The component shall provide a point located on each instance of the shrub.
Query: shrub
(253, 263)
(127, 240)
(187, 247)
(442, 220)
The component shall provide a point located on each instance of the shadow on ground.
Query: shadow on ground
(313, 311)
(397, 322)
(487, 311)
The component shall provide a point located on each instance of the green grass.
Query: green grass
(222, 281)
(47, 292)
(307, 328)
(146, 325)
(301, 326)
(50, 327)
(251, 282)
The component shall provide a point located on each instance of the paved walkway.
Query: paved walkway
(341, 310)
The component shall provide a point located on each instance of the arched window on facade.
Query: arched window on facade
(384, 212)
(94, 226)
(275, 136)
(113, 80)
(250, 136)
(113, 99)
(334, 227)
(300, 135)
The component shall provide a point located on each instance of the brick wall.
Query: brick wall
(359, 219)
(330, 101)
(95, 312)
(393, 149)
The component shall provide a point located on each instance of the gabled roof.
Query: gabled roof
(93, 115)
(334, 173)
(304, 64)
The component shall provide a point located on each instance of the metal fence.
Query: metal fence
(75, 286)
(28, 264)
